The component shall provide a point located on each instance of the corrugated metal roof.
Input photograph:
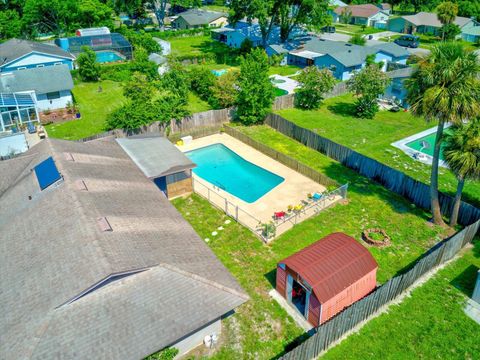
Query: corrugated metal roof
(332, 264)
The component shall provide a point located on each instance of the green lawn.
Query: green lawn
(94, 107)
(430, 324)
(261, 329)
(283, 70)
(355, 29)
(189, 45)
(335, 120)
(195, 104)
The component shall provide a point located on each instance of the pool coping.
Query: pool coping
(402, 145)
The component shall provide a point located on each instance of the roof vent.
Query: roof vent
(80, 185)
(103, 224)
(68, 156)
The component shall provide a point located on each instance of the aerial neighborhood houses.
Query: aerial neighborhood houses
(196, 18)
(370, 15)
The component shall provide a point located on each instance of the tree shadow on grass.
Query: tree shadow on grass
(465, 281)
(346, 109)
(271, 276)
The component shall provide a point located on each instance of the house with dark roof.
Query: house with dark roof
(50, 85)
(365, 14)
(426, 23)
(196, 18)
(96, 262)
(16, 54)
(326, 277)
(343, 58)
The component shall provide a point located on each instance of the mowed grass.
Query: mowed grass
(430, 324)
(189, 45)
(94, 107)
(195, 104)
(335, 120)
(355, 29)
(261, 329)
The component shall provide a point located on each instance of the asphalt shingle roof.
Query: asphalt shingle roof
(364, 10)
(430, 19)
(200, 17)
(43, 80)
(52, 250)
(15, 48)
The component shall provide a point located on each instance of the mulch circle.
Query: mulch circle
(366, 236)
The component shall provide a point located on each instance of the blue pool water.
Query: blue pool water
(219, 72)
(107, 56)
(223, 168)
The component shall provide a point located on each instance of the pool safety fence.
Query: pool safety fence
(363, 310)
(212, 193)
(394, 180)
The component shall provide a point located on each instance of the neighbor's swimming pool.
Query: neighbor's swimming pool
(425, 144)
(107, 56)
(223, 168)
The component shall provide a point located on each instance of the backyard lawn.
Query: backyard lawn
(94, 107)
(195, 104)
(261, 329)
(335, 120)
(430, 324)
(355, 29)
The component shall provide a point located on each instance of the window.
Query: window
(22, 68)
(282, 266)
(53, 95)
(47, 173)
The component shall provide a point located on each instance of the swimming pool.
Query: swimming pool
(425, 144)
(219, 72)
(108, 56)
(226, 170)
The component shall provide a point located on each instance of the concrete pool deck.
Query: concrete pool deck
(292, 191)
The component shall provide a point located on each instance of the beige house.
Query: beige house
(196, 18)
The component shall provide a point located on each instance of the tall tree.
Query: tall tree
(314, 83)
(446, 14)
(444, 88)
(462, 154)
(256, 93)
(87, 65)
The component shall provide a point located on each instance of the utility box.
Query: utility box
(476, 291)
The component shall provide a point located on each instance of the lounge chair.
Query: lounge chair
(317, 196)
(31, 128)
(279, 215)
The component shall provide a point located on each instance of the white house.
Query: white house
(50, 85)
(367, 14)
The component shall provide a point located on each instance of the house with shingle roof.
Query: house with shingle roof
(50, 85)
(365, 14)
(426, 23)
(16, 54)
(196, 18)
(96, 262)
(343, 58)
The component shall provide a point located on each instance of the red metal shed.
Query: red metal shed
(326, 277)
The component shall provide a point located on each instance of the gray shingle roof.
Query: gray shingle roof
(156, 156)
(53, 250)
(430, 19)
(389, 48)
(42, 80)
(200, 17)
(400, 73)
(15, 48)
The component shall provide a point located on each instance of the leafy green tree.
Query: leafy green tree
(256, 93)
(444, 88)
(139, 89)
(314, 83)
(462, 154)
(88, 68)
(357, 39)
(246, 46)
(346, 16)
(449, 32)
(142, 64)
(10, 24)
(469, 8)
(201, 80)
(176, 81)
(368, 84)
(446, 14)
(225, 90)
(141, 39)
(48, 16)
(93, 13)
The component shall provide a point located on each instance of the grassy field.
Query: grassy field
(195, 104)
(430, 324)
(94, 107)
(355, 29)
(335, 120)
(189, 45)
(261, 329)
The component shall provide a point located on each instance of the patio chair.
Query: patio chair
(31, 128)
(317, 196)
(279, 215)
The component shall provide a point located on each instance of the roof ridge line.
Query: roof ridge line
(204, 280)
(20, 175)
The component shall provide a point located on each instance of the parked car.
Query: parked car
(410, 41)
(329, 29)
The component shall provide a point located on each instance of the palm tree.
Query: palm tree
(446, 14)
(444, 88)
(462, 154)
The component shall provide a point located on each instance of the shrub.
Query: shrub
(314, 84)
(225, 90)
(357, 39)
(88, 68)
(246, 46)
(201, 80)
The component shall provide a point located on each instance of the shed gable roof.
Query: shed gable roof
(332, 264)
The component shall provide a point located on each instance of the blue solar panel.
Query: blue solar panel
(22, 100)
(47, 173)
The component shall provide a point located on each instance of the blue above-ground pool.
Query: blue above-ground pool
(108, 56)
(228, 171)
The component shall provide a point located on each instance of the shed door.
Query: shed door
(307, 303)
(289, 287)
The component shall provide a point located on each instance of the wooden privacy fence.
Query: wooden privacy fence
(394, 180)
(288, 101)
(360, 311)
(282, 158)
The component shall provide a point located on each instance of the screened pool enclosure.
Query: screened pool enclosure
(113, 42)
(17, 110)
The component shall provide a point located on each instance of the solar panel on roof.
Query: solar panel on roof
(47, 173)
